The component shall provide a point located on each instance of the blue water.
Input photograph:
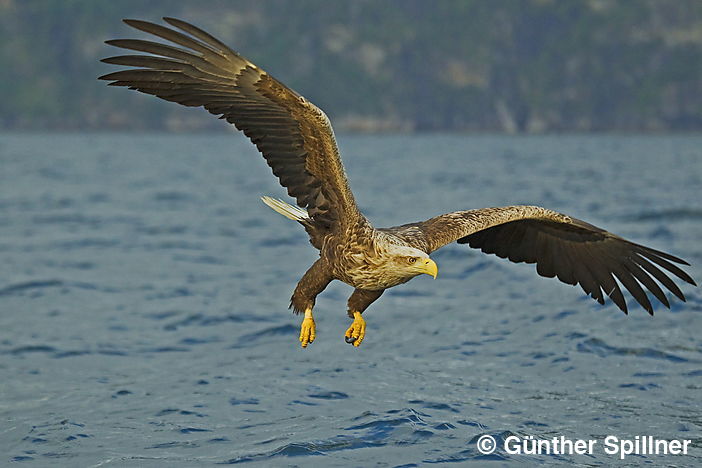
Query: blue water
(144, 291)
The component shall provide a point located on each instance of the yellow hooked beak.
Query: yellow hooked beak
(427, 265)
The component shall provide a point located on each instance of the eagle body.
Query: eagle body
(193, 68)
(361, 256)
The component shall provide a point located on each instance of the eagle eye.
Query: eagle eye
(411, 260)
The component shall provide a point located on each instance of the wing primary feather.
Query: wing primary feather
(615, 259)
(666, 264)
(647, 281)
(587, 281)
(658, 253)
(161, 63)
(660, 276)
(139, 75)
(202, 35)
(603, 276)
(145, 61)
(171, 35)
(150, 47)
(634, 288)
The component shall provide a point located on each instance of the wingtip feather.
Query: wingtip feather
(135, 23)
(173, 21)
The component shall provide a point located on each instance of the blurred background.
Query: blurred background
(472, 65)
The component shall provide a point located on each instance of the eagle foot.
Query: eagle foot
(354, 335)
(307, 329)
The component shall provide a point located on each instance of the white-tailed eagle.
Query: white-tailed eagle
(297, 141)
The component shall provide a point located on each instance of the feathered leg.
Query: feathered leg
(310, 285)
(359, 302)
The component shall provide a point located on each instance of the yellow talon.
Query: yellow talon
(307, 329)
(354, 335)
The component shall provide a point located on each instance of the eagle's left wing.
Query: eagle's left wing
(573, 250)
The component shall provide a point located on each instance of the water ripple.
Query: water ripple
(405, 427)
(329, 395)
(602, 349)
(282, 330)
(38, 284)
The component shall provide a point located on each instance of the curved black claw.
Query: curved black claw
(349, 339)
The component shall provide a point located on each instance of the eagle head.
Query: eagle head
(409, 262)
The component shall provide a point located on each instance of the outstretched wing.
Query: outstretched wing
(294, 136)
(572, 250)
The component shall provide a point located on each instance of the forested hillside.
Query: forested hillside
(477, 65)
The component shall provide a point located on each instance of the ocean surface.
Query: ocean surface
(144, 318)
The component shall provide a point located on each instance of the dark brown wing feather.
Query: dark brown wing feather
(294, 136)
(572, 250)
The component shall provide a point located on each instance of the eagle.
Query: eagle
(297, 141)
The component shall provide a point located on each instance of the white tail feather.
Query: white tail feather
(291, 212)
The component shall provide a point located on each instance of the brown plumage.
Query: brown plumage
(297, 141)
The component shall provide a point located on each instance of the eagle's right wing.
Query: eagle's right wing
(294, 136)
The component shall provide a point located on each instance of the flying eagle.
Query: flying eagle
(297, 141)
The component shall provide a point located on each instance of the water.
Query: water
(144, 291)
